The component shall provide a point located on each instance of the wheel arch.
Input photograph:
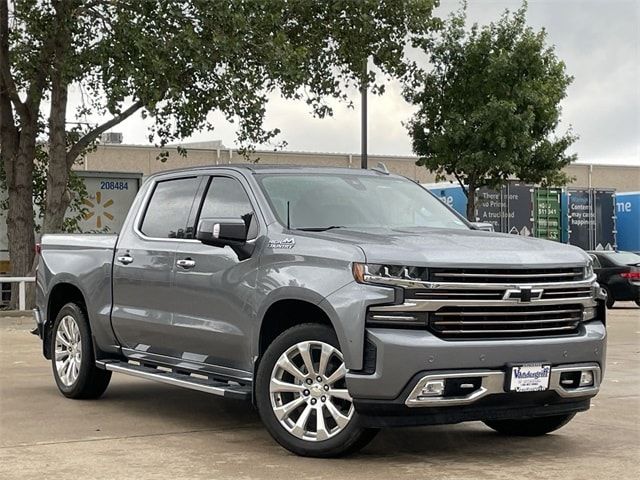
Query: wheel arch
(60, 294)
(295, 310)
(286, 313)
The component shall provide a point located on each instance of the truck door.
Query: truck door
(213, 289)
(144, 265)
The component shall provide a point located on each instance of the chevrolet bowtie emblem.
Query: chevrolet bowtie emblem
(523, 294)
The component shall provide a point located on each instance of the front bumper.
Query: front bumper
(400, 355)
(489, 400)
(405, 358)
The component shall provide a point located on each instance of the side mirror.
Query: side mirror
(232, 232)
(485, 226)
(222, 231)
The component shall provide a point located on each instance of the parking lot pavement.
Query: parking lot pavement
(140, 429)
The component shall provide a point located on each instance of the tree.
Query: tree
(174, 61)
(489, 105)
(75, 187)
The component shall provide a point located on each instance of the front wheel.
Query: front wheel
(530, 427)
(302, 396)
(72, 358)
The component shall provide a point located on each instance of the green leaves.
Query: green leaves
(184, 59)
(489, 106)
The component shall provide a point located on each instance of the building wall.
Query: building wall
(144, 159)
(622, 178)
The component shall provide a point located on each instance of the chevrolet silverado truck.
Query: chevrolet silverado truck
(337, 301)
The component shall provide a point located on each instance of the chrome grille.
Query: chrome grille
(572, 292)
(453, 294)
(470, 293)
(508, 321)
(506, 275)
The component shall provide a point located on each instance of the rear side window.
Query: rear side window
(168, 210)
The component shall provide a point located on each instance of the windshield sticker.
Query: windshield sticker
(287, 243)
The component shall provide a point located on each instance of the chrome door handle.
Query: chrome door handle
(186, 263)
(125, 259)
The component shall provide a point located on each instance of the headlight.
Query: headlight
(388, 274)
(588, 270)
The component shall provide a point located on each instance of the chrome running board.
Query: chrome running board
(179, 379)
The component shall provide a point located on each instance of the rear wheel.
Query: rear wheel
(302, 395)
(530, 427)
(72, 356)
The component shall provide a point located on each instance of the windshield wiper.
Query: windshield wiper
(319, 229)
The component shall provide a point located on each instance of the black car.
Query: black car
(619, 274)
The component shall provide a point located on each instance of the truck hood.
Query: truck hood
(453, 247)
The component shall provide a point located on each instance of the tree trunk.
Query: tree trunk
(9, 140)
(471, 200)
(57, 196)
(20, 225)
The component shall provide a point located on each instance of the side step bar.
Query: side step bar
(185, 380)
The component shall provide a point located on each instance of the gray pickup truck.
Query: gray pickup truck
(337, 301)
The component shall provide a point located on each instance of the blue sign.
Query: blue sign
(452, 195)
(628, 221)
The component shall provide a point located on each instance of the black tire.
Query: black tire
(530, 427)
(638, 303)
(91, 381)
(610, 299)
(351, 439)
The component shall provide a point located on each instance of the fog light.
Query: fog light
(586, 378)
(589, 313)
(433, 388)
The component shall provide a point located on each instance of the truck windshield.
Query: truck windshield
(325, 201)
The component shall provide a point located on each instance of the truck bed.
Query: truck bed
(84, 261)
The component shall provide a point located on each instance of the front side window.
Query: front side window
(169, 207)
(225, 198)
(323, 201)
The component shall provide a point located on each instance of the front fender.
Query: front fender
(347, 309)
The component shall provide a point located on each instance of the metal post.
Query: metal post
(363, 94)
(22, 296)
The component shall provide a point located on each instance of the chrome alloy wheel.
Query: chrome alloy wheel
(68, 350)
(308, 391)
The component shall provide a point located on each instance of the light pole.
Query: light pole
(363, 113)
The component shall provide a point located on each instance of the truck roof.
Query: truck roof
(271, 168)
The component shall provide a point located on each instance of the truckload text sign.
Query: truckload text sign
(592, 219)
(509, 209)
(581, 218)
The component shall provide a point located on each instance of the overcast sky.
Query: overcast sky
(599, 40)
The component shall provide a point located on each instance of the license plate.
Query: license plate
(530, 378)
